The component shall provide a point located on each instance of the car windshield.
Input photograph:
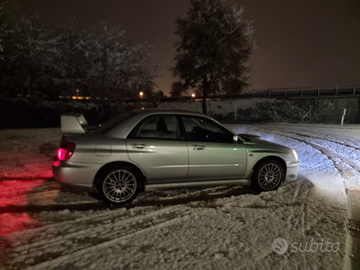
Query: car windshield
(113, 122)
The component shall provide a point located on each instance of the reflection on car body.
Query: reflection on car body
(155, 149)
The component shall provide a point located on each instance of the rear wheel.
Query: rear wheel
(119, 185)
(268, 175)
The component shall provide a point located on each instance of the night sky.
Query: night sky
(300, 43)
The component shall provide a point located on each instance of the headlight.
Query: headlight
(295, 155)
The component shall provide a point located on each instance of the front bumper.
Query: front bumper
(292, 171)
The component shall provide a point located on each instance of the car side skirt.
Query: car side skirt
(197, 184)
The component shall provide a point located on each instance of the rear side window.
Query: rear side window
(157, 127)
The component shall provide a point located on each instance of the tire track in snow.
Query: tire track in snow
(347, 169)
(325, 151)
(298, 216)
(85, 234)
(312, 136)
(353, 225)
(202, 195)
(297, 219)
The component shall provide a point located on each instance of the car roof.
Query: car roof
(150, 111)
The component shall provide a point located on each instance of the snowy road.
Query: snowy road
(46, 226)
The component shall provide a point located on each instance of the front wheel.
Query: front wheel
(119, 185)
(268, 175)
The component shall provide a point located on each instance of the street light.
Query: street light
(193, 95)
(141, 94)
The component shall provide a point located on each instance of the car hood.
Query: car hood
(255, 143)
(250, 137)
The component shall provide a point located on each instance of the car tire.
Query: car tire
(119, 185)
(268, 175)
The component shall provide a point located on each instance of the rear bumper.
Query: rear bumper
(292, 171)
(80, 175)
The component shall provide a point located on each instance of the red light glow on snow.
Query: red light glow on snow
(15, 222)
(15, 193)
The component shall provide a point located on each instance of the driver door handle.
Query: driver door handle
(198, 147)
(139, 145)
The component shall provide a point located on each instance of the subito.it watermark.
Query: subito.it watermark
(280, 246)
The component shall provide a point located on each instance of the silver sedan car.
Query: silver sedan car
(145, 150)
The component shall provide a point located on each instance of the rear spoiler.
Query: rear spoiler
(74, 123)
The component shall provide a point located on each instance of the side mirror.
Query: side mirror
(235, 138)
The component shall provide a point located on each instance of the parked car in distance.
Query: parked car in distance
(152, 149)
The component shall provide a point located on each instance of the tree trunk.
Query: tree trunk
(204, 103)
(204, 96)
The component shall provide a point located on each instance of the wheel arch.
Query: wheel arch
(278, 159)
(97, 177)
(254, 177)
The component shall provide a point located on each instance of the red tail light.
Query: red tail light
(65, 151)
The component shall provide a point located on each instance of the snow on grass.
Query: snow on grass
(234, 232)
(27, 152)
(227, 233)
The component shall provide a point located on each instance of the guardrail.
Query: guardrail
(279, 93)
(305, 92)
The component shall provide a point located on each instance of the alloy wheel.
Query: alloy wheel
(269, 176)
(119, 186)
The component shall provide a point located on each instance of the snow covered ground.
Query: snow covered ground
(44, 225)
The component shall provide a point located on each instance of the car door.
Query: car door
(213, 154)
(156, 145)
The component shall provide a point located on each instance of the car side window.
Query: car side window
(203, 129)
(157, 127)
